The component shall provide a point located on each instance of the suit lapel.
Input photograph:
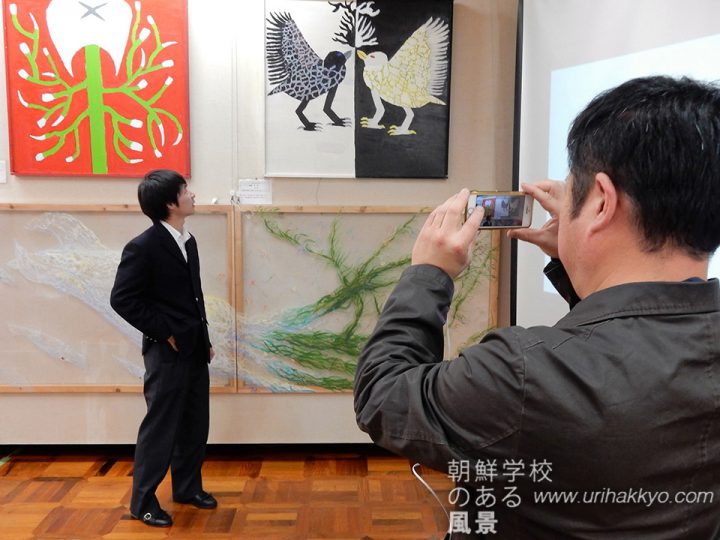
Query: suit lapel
(193, 263)
(191, 249)
(169, 243)
(194, 266)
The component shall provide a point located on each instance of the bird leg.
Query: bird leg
(374, 122)
(403, 128)
(308, 126)
(336, 120)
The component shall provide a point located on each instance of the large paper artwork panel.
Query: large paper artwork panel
(59, 332)
(314, 285)
(97, 88)
(357, 89)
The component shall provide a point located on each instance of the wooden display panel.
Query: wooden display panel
(314, 280)
(57, 267)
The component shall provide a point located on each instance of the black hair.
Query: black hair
(158, 189)
(658, 139)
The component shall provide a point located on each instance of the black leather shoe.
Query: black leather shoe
(155, 519)
(201, 500)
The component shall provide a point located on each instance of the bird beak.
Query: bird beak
(347, 55)
(362, 55)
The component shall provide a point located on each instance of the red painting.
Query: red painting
(97, 87)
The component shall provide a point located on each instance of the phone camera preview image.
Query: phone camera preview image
(502, 210)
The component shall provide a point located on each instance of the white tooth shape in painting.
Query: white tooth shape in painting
(73, 25)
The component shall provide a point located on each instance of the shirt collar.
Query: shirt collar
(647, 298)
(179, 236)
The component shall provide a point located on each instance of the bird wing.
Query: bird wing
(286, 50)
(425, 55)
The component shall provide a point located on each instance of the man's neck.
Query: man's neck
(664, 265)
(176, 222)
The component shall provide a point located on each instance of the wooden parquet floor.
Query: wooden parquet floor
(268, 493)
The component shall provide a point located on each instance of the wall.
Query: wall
(227, 138)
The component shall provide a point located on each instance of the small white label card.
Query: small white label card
(254, 191)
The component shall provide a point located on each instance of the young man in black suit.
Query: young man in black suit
(157, 290)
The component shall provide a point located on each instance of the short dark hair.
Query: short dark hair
(658, 139)
(158, 189)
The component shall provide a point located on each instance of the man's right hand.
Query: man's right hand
(550, 194)
(445, 240)
(171, 341)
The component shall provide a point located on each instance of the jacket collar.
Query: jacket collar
(646, 298)
(168, 241)
(178, 236)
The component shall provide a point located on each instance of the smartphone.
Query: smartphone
(503, 209)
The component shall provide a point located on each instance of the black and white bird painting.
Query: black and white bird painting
(299, 72)
(357, 88)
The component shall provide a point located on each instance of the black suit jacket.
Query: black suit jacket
(159, 293)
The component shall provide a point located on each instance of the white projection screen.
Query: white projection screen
(571, 51)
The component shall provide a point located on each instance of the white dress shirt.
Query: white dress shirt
(180, 237)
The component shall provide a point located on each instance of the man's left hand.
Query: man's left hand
(444, 240)
(211, 353)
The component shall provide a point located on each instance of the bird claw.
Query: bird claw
(311, 126)
(342, 122)
(370, 123)
(394, 130)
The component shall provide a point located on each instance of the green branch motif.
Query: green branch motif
(356, 282)
(96, 89)
(327, 359)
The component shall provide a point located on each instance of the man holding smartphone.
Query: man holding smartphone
(618, 404)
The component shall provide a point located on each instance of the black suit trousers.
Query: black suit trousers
(174, 432)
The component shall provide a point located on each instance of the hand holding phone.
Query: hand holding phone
(503, 209)
(549, 194)
(446, 240)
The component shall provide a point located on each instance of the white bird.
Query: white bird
(411, 78)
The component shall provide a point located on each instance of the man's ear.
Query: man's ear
(603, 201)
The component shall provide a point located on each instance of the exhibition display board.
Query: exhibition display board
(227, 83)
(291, 294)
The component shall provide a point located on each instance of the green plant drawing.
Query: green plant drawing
(319, 358)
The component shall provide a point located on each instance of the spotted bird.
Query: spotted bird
(300, 72)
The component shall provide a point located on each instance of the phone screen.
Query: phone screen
(501, 210)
